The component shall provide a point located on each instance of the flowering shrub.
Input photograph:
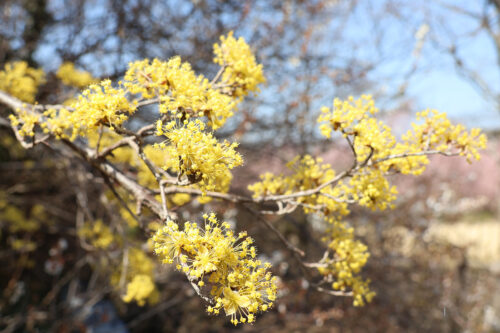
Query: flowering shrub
(240, 284)
(162, 165)
(197, 154)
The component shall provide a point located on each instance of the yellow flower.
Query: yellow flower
(139, 276)
(199, 155)
(100, 104)
(436, 132)
(214, 256)
(349, 257)
(25, 122)
(139, 289)
(371, 189)
(21, 81)
(70, 76)
(241, 72)
(233, 301)
(182, 93)
(98, 234)
(18, 222)
(307, 174)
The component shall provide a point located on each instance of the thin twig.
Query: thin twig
(218, 75)
(334, 292)
(289, 245)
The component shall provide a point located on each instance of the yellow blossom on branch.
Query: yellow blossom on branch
(222, 267)
(370, 188)
(214, 257)
(97, 234)
(100, 104)
(139, 289)
(71, 76)
(436, 132)
(349, 257)
(354, 119)
(307, 174)
(376, 154)
(346, 114)
(138, 276)
(21, 81)
(16, 220)
(25, 122)
(198, 154)
(241, 72)
(180, 91)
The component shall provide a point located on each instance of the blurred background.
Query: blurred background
(435, 259)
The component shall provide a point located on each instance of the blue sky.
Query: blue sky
(440, 86)
(436, 84)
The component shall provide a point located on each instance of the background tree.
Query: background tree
(80, 202)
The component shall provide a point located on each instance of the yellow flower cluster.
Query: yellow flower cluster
(71, 76)
(197, 154)
(97, 234)
(350, 256)
(139, 289)
(411, 161)
(367, 189)
(377, 153)
(149, 79)
(370, 188)
(25, 122)
(21, 81)
(240, 284)
(21, 224)
(241, 71)
(308, 173)
(370, 137)
(345, 115)
(354, 119)
(126, 156)
(224, 265)
(436, 132)
(139, 276)
(182, 93)
(180, 199)
(100, 104)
